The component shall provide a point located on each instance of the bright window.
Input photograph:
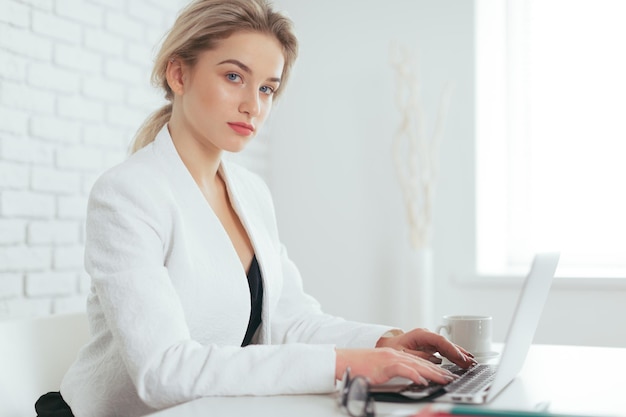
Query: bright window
(551, 135)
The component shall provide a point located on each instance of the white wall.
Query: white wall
(338, 200)
(338, 203)
(74, 87)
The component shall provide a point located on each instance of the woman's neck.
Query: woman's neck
(200, 157)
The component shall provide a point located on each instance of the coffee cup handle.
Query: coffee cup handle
(443, 327)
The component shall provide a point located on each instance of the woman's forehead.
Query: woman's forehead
(261, 53)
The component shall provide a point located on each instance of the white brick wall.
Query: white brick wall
(74, 87)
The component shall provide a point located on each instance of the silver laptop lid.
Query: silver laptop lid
(525, 320)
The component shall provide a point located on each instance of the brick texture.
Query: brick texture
(74, 87)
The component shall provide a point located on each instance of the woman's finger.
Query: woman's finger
(429, 368)
(424, 355)
(466, 352)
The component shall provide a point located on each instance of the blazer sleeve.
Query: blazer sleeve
(299, 317)
(127, 235)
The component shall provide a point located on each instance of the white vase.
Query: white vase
(419, 286)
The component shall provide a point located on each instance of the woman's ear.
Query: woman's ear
(174, 74)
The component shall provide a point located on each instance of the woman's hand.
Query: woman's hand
(380, 365)
(424, 344)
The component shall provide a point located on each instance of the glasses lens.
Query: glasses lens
(357, 399)
(342, 395)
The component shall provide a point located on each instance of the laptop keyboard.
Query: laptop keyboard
(473, 379)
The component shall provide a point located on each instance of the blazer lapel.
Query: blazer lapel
(255, 214)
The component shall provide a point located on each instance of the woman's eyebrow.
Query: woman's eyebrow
(245, 68)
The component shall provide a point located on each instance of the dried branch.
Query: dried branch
(415, 154)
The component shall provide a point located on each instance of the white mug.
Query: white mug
(472, 333)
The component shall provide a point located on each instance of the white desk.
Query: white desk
(567, 377)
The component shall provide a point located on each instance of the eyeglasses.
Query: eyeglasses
(355, 397)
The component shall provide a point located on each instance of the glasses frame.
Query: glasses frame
(357, 388)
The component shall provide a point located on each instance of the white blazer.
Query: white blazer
(169, 302)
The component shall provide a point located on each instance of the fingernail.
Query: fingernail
(451, 375)
(423, 381)
(469, 358)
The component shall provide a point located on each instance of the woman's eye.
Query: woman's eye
(267, 90)
(233, 77)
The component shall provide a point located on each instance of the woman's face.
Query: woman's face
(227, 95)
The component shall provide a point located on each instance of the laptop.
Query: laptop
(481, 383)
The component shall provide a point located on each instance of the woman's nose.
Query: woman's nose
(251, 103)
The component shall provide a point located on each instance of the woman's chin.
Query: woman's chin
(237, 146)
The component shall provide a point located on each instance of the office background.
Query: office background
(74, 87)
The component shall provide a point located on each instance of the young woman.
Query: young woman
(192, 292)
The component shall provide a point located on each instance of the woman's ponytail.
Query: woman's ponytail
(151, 127)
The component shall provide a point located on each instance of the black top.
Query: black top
(256, 300)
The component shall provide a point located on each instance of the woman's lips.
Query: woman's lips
(242, 128)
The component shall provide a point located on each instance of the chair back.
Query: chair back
(34, 356)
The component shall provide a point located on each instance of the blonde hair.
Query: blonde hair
(199, 27)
